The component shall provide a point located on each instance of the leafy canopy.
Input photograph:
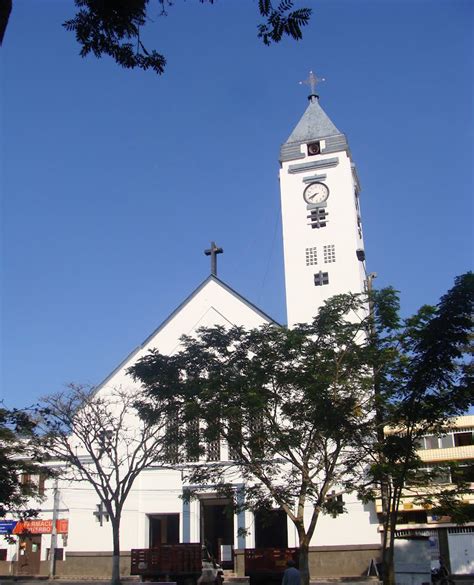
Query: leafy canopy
(112, 27)
(292, 404)
(21, 455)
(422, 378)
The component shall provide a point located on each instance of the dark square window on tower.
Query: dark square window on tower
(314, 148)
(318, 218)
(321, 278)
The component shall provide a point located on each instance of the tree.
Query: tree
(20, 461)
(112, 27)
(100, 439)
(423, 377)
(293, 405)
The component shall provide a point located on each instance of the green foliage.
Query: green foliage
(105, 27)
(20, 462)
(339, 403)
(293, 405)
(281, 21)
(422, 378)
(112, 27)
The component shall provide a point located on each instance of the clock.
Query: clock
(316, 193)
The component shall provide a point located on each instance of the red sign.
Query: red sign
(41, 527)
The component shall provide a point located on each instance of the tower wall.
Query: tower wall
(329, 248)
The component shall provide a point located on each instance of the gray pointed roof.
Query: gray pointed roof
(314, 124)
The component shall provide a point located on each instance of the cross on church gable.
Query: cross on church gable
(212, 252)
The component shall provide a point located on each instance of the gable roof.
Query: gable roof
(210, 280)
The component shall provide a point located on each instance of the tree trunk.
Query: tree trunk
(304, 562)
(116, 551)
(388, 553)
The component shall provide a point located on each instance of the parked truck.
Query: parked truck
(185, 564)
(265, 566)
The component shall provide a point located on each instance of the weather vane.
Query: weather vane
(312, 81)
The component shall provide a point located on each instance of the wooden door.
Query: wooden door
(29, 555)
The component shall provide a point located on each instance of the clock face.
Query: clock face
(316, 193)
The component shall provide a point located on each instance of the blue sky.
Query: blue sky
(113, 182)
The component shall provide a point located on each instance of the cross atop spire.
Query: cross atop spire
(212, 252)
(312, 81)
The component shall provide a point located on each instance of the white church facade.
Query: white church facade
(323, 255)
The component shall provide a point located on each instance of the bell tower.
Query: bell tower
(322, 229)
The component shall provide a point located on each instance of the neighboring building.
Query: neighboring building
(323, 256)
(453, 543)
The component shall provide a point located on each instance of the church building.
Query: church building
(323, 256)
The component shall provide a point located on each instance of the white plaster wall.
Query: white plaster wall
(155, 491)
(358, 526)
(303, 298)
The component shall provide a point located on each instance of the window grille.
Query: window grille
(311, 256)
(457, 438)
(192, 440)
(329, 253)
(321, 278)
(318, 218)
(171, 440)
(214, 450)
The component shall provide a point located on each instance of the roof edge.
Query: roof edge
(210, 278)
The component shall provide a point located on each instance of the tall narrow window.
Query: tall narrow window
(41, 482)
(214, 450)
(25, 479)
(171, 439)
(234, 434)
(213, 447)
(192, 440)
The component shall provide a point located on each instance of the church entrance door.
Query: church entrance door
(217, 526)
(271, 529)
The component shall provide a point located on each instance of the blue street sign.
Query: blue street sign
(7, 526)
